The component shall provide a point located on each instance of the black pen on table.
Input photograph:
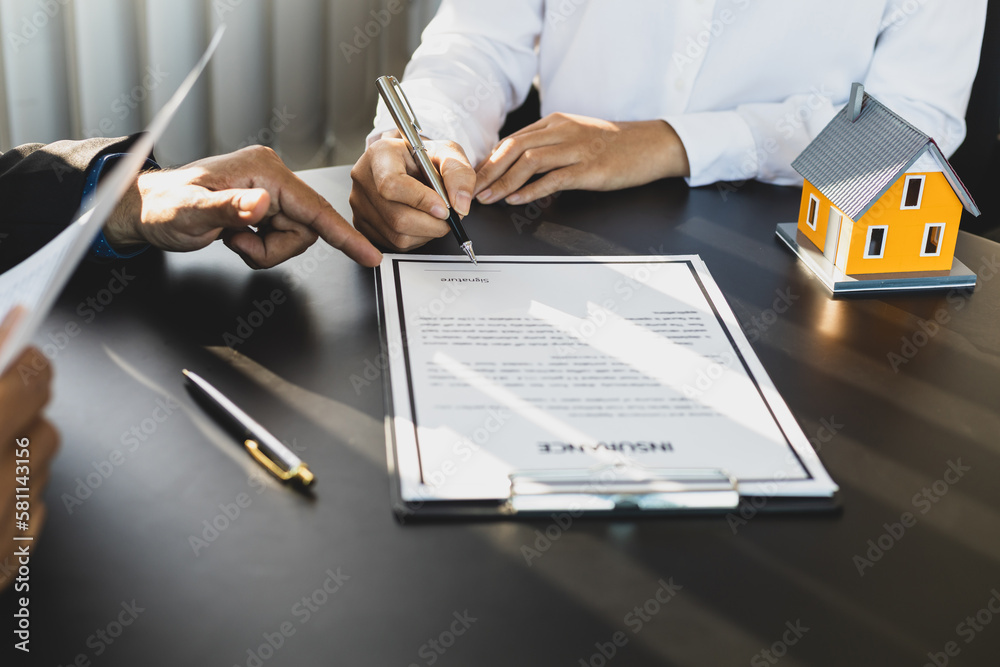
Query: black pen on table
(266, 449)
(402, 113)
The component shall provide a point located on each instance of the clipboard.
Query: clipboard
(623, 489)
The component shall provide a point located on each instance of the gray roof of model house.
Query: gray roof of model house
(854, 163)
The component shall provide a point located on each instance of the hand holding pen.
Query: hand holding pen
(395, 203)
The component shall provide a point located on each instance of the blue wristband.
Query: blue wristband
(100, 248)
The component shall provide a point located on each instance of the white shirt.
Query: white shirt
(747, 84)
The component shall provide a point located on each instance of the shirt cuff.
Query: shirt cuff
(100, 249)
(719, 145)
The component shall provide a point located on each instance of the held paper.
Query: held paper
(36, 282)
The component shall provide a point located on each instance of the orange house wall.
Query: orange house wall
(906, 229)
(818, 237)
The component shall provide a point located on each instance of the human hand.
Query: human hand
(579, 153)
(188, 208)
(391, 204)
(24, 435)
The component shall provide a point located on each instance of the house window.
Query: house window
(913, 193)
(933, 233)
(875, 243)
(813, 212)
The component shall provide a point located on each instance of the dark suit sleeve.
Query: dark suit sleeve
(41, 187)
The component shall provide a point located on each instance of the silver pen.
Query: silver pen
(402, 113)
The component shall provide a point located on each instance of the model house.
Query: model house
(879, 196)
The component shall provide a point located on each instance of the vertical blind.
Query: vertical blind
(297, 75)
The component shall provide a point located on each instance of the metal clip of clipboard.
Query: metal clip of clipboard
(622, 487)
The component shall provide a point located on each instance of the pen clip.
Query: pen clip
(300, 472)
(411, 116)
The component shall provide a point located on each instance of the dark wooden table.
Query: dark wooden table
(165, 546)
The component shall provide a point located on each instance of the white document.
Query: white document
(36, 282)
(577, 363)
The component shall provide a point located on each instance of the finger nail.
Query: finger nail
(514, 199)
(439, 211)
(485, 195)
(463, 201)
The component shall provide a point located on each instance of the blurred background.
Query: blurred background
(297, 75)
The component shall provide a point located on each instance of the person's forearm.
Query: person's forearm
(476, 63)
(122, 230)
(41, 184)
(908, 74)
(656, 145)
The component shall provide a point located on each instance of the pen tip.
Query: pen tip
(467, 247)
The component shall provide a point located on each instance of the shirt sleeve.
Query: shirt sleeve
(41, 188)
(923, 66)
(475, 64)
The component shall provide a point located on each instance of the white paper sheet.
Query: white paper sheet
(556, 363)
(36, 282)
